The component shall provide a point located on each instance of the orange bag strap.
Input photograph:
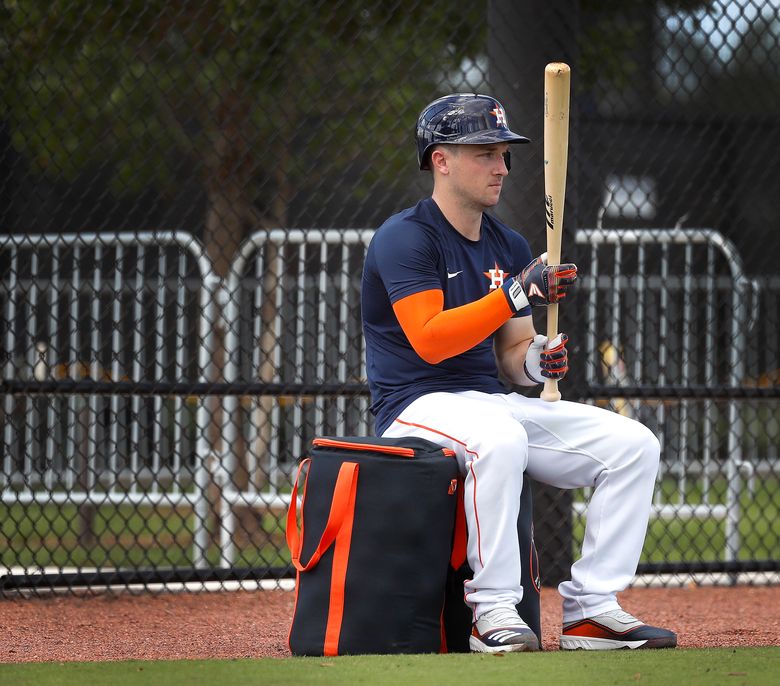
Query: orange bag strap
(341, 510)
(338, 578)
(459, 539)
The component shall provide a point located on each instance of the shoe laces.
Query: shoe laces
(620, 615)
(500, 617)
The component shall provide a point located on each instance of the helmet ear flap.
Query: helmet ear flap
(425, 163)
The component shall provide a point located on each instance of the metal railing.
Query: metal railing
(664, 328)
(292, 317)
(111, 383)
(634, 304)
(108, 308)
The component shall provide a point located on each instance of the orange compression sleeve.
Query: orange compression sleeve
(437, 334)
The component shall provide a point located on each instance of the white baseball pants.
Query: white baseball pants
(497, 437)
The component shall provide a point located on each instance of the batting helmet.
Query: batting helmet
(463, 119)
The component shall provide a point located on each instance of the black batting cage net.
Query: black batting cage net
(187, 191)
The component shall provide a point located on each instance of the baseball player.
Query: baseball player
(447, 292)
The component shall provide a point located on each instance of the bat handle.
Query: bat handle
(550, 392)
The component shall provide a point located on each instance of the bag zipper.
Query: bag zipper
(388, 449)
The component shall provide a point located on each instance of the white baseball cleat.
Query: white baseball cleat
(502, 631)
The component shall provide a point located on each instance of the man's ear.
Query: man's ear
(440, 161)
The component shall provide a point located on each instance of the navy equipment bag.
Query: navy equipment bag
(379, 549)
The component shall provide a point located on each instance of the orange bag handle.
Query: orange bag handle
(340, 510)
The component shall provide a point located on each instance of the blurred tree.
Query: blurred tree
(259, 100)
(148, 90)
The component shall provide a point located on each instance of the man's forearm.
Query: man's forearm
(511, 363)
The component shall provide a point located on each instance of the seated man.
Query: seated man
(447, 292)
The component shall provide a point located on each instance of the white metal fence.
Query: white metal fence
(292, 316)
(667, 307)
(673, 307)
(135, 307)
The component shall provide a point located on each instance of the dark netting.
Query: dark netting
(187, 193)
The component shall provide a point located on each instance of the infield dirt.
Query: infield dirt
(249, 624)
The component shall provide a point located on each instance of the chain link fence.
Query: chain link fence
(188, 190)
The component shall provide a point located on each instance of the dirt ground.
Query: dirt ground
(251, 624)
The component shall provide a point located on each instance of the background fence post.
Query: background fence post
(518, 55)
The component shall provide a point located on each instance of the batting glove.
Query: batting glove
(539, 284)
(552, 363)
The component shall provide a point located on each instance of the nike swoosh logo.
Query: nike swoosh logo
(450, 275)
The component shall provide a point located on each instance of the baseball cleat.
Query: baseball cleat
(614, 630)
(502, 631)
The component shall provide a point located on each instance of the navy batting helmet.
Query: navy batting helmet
(463, 119)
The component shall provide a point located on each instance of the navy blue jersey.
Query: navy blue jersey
(418, 250)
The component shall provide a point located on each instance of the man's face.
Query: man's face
(477, 172)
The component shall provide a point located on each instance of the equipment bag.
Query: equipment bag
(373, 547)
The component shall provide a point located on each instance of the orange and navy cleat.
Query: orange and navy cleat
(614, 630)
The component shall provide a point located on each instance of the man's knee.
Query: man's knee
(505, 445)
(645, 446)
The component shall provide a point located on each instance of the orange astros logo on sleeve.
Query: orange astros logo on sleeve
(496, 276)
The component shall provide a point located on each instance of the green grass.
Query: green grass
(691, 667)
(704, 538)
(121, 536)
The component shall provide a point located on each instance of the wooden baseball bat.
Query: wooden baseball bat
(557, 77)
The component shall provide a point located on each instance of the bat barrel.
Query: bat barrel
(557, 78)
